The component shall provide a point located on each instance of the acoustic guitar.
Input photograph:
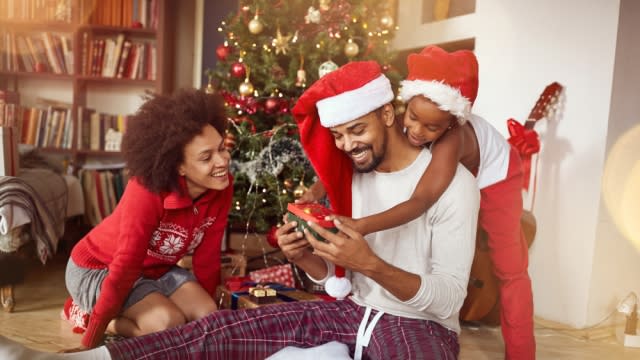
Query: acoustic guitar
(482, 301)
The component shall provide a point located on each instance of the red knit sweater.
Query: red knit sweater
(146, 235)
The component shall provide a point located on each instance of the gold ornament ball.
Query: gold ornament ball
(288, 184)
(299, 190)
(386, 21)
(325, 4)
(351, 49)
(246, 88)
(210, 89)
(255, 26)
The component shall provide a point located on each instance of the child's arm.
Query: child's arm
(446, 153)
(313, 194)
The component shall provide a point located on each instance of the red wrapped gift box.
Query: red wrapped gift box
(302, 213)
(281, 274)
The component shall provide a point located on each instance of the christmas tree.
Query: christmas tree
(273, 50)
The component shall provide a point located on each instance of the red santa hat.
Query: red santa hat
(448, 79)
(341, 96)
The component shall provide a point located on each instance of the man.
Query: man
(411, 280)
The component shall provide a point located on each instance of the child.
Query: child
(440, 90)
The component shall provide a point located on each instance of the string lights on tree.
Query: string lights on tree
(272, 51)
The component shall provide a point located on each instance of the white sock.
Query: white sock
(11, 350)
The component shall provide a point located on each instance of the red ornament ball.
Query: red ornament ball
(229, 141)
(271, 105)
(222, 52)
(271, 237)
(238, 70)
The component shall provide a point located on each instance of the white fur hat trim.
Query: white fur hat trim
(448, 98)
(350, 105)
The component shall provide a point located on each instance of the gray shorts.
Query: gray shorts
(84, 285)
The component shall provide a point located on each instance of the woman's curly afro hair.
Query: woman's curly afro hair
(156, 135)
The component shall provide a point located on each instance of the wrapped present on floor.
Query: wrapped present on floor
(262, 294)
(281, 274)
(231, 264)
(242, 299)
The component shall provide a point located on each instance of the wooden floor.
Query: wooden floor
(36, 323)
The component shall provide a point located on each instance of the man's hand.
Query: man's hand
(293, 244)
(348, 248)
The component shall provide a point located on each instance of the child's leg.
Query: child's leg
(500, 211)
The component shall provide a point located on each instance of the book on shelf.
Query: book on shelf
(9, 132)
(47, 124)
(126, 13)
(103, 187)
(39, 52)
(37, 10)
(120, 57)
(94, 130)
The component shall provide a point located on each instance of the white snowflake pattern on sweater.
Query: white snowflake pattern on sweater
(198, 233)
(169, 239)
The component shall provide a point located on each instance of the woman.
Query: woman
(177, 201)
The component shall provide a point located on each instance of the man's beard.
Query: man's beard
(375, 160)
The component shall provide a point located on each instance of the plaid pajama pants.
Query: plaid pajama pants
(260, 332)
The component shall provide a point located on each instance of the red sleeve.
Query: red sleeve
(140, 212)
(206, 257)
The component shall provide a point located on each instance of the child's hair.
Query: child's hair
(460, 119)
(157, 133)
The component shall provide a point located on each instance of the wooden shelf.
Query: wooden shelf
(103, 29)
(37, 75)
(109, 80)
(28, 26)
(99, 153)
(55, 150)
(21, 36)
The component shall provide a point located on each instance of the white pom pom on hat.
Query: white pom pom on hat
(337, 287)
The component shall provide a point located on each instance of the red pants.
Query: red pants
(500, 211)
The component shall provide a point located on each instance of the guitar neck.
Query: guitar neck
(529, 124)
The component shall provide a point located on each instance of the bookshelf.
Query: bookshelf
(67, 59)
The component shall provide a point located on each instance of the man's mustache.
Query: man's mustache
(358, 150)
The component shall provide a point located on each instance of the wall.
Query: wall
(184, 43)
(621, 182)
(214, 12)
(522, 46)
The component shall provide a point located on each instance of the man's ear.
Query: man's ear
(388, 115)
